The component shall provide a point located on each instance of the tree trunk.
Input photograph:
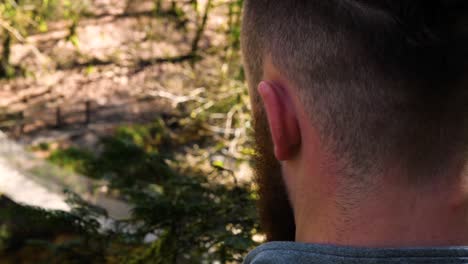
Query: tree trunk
(5, 67)
(201, 28)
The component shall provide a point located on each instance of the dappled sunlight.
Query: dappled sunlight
(138, 111)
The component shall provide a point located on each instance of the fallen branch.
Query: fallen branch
(17, 35)
(178, 99)
(12, 31)
(140, 64)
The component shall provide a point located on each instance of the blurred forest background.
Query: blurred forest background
(143, 101)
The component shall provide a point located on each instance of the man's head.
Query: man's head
(362, 90)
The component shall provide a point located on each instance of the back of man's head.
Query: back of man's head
(384, 82)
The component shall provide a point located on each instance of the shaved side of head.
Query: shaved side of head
(383, 81)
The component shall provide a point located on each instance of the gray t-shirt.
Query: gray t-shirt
(288, 252)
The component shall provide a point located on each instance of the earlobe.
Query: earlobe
(282, 120)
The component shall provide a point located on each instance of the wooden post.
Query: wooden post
(157, 7)
(87, 112)
(174, 6)
(58, 117)
(18, 125)
(22, 123)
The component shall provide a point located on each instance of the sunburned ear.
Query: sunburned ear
(282, 119)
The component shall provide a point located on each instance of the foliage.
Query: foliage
(19, 18)
(55, 235)
(193, 214)
(72, 159)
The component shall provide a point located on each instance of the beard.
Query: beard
(276, 213)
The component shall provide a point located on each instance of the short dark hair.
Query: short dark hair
(384, 81)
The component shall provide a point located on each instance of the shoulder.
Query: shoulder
(281, 252)
(289, 252)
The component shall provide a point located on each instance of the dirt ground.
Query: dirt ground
(117, 70)
(115, 67)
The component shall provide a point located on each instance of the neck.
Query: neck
(388, 217)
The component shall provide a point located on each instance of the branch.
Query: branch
(12, 31)
(178, 99)
(15, 33)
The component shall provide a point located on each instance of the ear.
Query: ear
(282, 119)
